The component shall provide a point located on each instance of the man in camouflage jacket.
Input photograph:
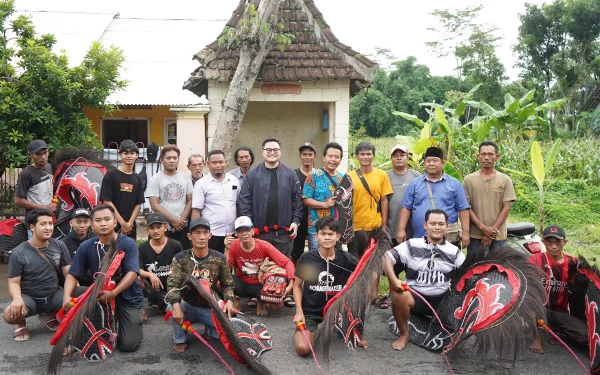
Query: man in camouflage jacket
(202, 263)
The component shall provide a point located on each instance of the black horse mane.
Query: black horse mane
(73, 333)
(226, 325)
(358, 294)
(90, 154)
(506, 337)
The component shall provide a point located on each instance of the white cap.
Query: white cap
(243, 222)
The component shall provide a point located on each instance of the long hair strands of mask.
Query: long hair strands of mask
(223, 320)
(356, 295)
(71, 328)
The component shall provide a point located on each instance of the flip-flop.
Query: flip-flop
(252, 302)
(23, 331)
(381, 302)
(289, 302)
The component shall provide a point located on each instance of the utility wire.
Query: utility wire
(123, 18)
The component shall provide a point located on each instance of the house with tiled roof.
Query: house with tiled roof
(302, 94)
(593, 101)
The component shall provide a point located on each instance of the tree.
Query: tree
(41, 96)
(372, 110)
(256, 35)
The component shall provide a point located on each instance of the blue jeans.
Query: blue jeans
(475, 245)
(312, 242)
(193, 314)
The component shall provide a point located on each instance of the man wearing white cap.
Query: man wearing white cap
(400, 177)
(247, 254)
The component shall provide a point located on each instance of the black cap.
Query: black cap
(434, 152)
(554, 231)
(127, 146)
(36, 146)
(154, 218)
(307, 145)
(199, 222)
(81, 212)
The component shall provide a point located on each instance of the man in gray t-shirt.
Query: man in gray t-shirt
(170, 193)
(400, 177)
(33, 275)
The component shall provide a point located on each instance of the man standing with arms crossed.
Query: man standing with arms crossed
(490, 194)
(214, 199)
(122, 189)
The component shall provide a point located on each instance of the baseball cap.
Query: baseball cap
(36, 145)
(554, 231)
(127, 146)
(307, 145)
(154, 218)
(81, 212)
(199, 222)
(401, 148)
(243, 222)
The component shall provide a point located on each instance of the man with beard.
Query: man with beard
(156, 256)
(214, 199)
(122, 189)
(244, 158)
(33, 275)
(202, 263)
(170, 194)
(196, 166)
(80, 222)
(490, 194)
(307, 158)
(247, 255)
(319, 189)
(270, 197)
(559, 271)
(127, 293)
(320, 275)
(430, 263)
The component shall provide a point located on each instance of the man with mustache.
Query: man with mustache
(244, 158)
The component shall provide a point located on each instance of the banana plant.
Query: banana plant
(540, 169)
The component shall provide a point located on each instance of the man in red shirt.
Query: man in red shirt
(559, 273)
(248, 254)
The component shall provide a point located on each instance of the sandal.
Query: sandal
(23, 331)
(381, 302)
(52, 323)
(289, 301)
(252, 302)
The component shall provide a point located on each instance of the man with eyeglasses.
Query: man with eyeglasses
(430, 263)
(271, 198)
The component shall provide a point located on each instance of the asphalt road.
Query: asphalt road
(155, 357)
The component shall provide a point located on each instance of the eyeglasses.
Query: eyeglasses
(272, 150)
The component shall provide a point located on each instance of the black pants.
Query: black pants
(299, 242)
(180, 236)
(217, 243)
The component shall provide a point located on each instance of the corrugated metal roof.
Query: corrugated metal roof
(158, 51)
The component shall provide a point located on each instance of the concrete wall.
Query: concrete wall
(294, 119)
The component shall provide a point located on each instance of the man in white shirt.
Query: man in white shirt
(215, 198)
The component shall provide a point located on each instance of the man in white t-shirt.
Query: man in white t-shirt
(430, 263)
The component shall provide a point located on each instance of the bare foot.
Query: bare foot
(400, 343)
(180, 348)
(68, 351)
(362, 344)
(144, 315)
(552, 341)
(261, 310)
(536, 346)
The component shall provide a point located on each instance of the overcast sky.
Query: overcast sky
(399, 25)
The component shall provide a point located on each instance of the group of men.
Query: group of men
(223, 227)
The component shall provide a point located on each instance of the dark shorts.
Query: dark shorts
(422, 309)
(281, 240)
(245, 290)
(312, 322)
(563, 322)
(49, 305)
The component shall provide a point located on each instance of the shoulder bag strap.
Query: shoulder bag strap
(364, 183)
(46, 259)
(430, 195)
(335, 185)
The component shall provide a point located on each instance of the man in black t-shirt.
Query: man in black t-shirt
(122, 189)
(80, 222)
(307, 156)
(34, 184)
(156, 256)
(320, 275)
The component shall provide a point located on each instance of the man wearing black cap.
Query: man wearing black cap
(559, 270)
(435, 189)
(202, 263)
(80, 222)
(156, 256)
(122, 189)
(34, 185)
(307, 158)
